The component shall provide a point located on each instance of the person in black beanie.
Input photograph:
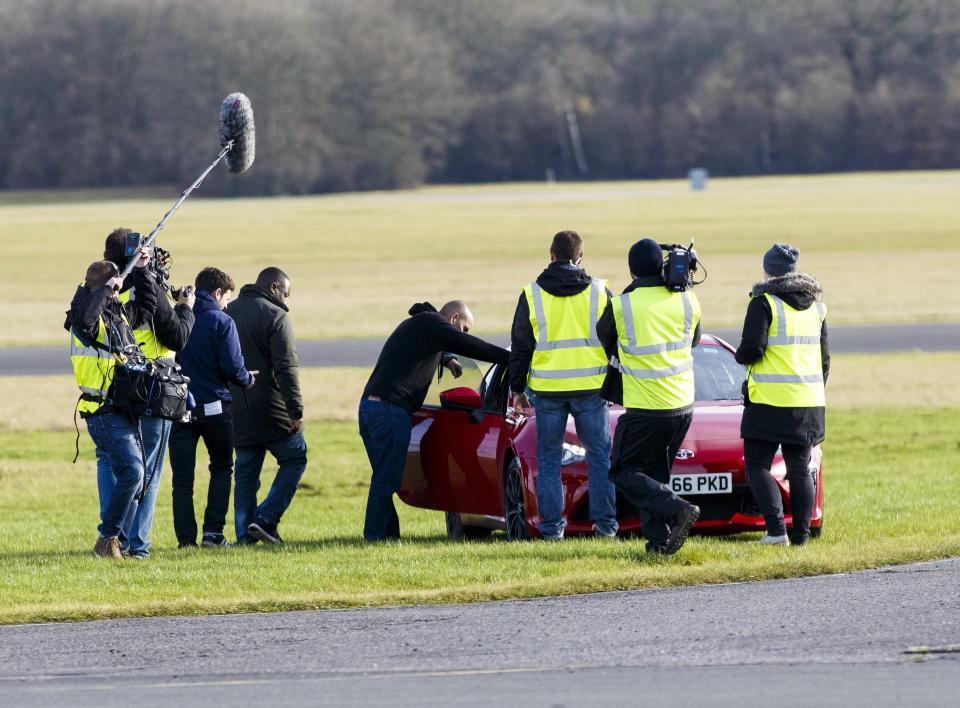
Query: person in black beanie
(784, 346)
(649, 332)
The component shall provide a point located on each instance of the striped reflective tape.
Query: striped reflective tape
(656, 373)
(567, 373)
(544, 343)
(788, 378)
(781, 336)
(631, 347)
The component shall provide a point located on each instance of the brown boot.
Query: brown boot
(107, 547)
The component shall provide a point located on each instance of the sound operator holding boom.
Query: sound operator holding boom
(161, 335)
(101, 338)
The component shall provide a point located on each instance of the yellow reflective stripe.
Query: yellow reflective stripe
(656, 373)
(788, 378)
(631, 346)
(781, 336)
(567, 373)
(543, 342)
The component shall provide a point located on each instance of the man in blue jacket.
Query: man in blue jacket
(212, 360)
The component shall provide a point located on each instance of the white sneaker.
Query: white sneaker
(769, 540)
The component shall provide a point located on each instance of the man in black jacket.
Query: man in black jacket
(784, 346)
(398, 386)
(166, 332)
(268, 417)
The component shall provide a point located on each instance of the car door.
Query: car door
(452, 459)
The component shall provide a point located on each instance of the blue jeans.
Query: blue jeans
(116, 439)
(291, 456)
(138, 519)
(385, 429)
(592, 418)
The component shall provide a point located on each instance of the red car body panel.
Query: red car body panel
(456, 465)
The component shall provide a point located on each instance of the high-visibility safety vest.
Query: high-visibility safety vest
(567, 356)
(790, 374)
(144, 334)
(654, 339)
(93, 366)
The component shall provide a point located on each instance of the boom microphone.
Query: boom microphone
(237, 148)
(236, 129)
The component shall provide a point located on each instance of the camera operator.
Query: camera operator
(101, 337)
(653, 331)
(161, 335)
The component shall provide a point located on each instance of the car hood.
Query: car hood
(713, 442)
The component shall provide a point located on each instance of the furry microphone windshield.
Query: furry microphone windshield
(236, 126)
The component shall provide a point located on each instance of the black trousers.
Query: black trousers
(758, 458)
(644, 448)
(216, 431)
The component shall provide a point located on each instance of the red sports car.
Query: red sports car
(472, 457)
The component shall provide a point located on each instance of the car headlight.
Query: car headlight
(572, 454)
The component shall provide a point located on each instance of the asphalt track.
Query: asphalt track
(829, 640)
(932, 337)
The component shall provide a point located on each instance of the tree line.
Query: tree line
(376, 94)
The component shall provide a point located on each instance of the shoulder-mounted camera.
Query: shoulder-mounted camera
(679, 267)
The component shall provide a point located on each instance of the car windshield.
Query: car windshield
(471, 377)
(717, 375)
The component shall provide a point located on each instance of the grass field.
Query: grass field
(359, 260)
(890, 480)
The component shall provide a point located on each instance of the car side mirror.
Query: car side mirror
(464, 399)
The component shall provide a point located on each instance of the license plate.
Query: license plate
(712, 483)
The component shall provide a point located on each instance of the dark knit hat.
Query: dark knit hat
(780, 259)
(645, 258)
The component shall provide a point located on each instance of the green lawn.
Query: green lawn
(359, 260)
(890, 480)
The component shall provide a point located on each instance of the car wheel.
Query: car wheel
(457, 530)
(514, 508)
(815, 531)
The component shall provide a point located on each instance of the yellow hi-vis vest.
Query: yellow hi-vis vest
(144, 334)
(654, 339)
(93, 368)
(790, 374)
(568, 356)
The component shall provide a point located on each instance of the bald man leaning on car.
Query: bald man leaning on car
(418, 348)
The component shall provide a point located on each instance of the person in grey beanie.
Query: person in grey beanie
(785, 349)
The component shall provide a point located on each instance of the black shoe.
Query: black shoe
(246, 541)
(681, 527)
(657, 549)
(264, 532)
(213, 540)
(186, 544)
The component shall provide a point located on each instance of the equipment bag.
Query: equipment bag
(150, 388)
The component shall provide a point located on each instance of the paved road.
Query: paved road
(31, 361)
(832, 640)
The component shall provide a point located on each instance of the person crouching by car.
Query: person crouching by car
(212, 360)
(101, 336)
(654, 331)
(784, 347)
(269, 416)
(412, 354)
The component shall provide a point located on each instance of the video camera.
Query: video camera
(679, 266)
(160, 262)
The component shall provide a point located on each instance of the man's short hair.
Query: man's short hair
(211, 278)
(567, 246)
(99, 272)
(116, 246)
(270, 275)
